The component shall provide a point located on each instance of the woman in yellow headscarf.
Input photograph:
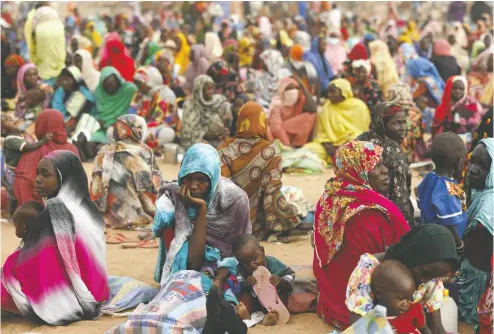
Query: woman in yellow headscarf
(182, 55)
(411, 34)
(343, 119)
(246, 51)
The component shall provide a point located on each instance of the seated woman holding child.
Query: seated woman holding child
(253, 163)
(126, 176)
(51, 122)
(59, 273)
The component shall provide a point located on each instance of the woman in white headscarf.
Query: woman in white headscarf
(84, 61)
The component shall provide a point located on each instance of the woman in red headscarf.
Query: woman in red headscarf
(458, 112)
(115, 54)
(48, 121)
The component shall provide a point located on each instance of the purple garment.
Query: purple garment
(198, 66)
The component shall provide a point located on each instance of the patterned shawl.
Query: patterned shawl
(348, 194)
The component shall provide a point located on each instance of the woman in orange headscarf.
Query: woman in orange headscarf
(254, 164)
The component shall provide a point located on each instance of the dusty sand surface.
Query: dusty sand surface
(139, 263)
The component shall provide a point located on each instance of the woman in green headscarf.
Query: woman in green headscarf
(113, 96)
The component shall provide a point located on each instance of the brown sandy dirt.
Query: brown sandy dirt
(139, 263)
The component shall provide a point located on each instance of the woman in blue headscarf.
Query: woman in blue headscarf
(197, 220)
(426, 81)
(478, 235)
(317, 58)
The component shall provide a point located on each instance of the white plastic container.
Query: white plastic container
(449, 315)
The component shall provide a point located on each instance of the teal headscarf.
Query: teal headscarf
(152, 49)
(482, 206)
(201, 158)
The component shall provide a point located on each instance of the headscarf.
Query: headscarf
(423, 245)
(48, 121)
(302, 38)
(344, 121)
(89, 72)
(267, 81)
(82, 43)
(265, 27)
(96, 38)
(50, 41)
(358, 52)
(442, 48)
(182, 55)
(480, 209)
(386, 72)
(411, 34)
(421, 68)
(336, 54)
(201, 115)
(323, 68)
(246, 51)
(477, 48)
(212, 42)
(14, 61)
(425, 54)
(21, 86)
(283, 111)
(443, 111)
(348, 194)
(296, 53)
(110, 107)
(481, 63)
(251, 121)
(115, 54)
(401, 95)
(202, 158)
(199, 65)
(152, 48)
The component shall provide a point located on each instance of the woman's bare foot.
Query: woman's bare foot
(271, 318)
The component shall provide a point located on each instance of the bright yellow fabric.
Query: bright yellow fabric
(342, 122)
(246, 51)
(28, 36)
(50, 49)
(182, 56)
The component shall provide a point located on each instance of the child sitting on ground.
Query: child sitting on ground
(393, 287)
(25, 217)
(250, 255)
(440, 199)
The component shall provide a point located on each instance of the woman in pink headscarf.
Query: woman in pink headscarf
(292, 113)
(199, 64)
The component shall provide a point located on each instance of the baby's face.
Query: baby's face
(250, 257)
(397, 301)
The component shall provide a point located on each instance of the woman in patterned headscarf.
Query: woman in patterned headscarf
(207, 116)
(352, 218)
(388, 129)
(126, 176)
(253, 163)
(414, 143)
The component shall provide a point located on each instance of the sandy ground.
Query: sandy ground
(139, 263)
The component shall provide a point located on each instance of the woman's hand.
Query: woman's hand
(186, 197)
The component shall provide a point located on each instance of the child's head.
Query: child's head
(393, 287)
(248, 252)
(8, 126)
(422, 102)
(25, 216)
(448, 152)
